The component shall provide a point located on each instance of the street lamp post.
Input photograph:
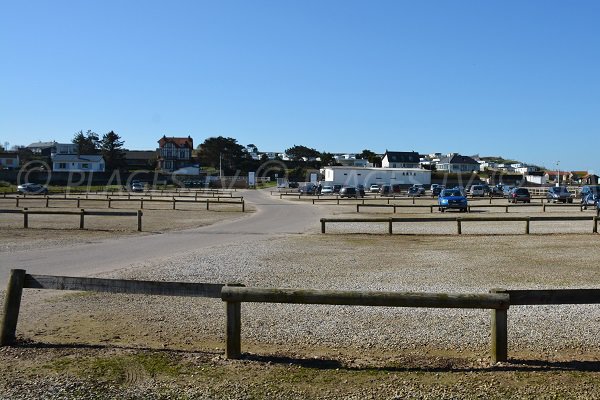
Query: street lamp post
(558, 173)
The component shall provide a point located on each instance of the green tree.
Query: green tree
(87, 143)
(111, 148)
(224, 152)
(370, 156)
(327, 159)
(297, 153)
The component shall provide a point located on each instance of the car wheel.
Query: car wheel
(442, 209)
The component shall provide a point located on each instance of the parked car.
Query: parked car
(452, 199)
(396, 188)
(420, 188)
(477, 191)
(327, 190)
(461, 189)
(293, 185)
(337, 188)
(590, 200)
(496, 191)
(361, 190)
(32, 188)
(559, 194)
(374, 188)
(519, 194)
(137, 186)
(385, 190)
(348, 191)
(506, 191)
(589, 189)
(309, 188)
(414, 192)
(437, 190)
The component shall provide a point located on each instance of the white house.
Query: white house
(77, 163)
(65, 148)
(456, 163)
(537, 179)
(352, 176)
(401, 159)
(526, 169)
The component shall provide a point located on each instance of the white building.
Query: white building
(400, 159)
(352, 176)
(77, 163)
(525, 169)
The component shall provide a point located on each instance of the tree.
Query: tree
(87, 143)
(111, 148)
(327, 159)
(372, 157)
(297, 153)
(222, 151)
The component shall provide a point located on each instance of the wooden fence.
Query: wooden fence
(82, 213)
(431, 207)
(497, 300)
(142, 200)
(459, 221)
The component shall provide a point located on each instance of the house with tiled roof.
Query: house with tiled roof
(456, 163)
(175, 153)
(401, 159)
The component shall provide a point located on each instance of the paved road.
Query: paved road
(273, 217)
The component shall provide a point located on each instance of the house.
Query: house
(9, 160)
(456, 163)
(77, 163)
(140, 159)
(43, 148)
(65, 148)
(536, 178)
(400, 159)
(175, 153)
(557, 176)
(526, 169)
(353, 176)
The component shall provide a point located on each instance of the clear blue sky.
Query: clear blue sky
(512, 78)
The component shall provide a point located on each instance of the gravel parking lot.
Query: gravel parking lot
(358, 343)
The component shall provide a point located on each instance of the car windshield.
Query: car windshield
(595, 189)
(453, 192)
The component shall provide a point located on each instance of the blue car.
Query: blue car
(452, 198)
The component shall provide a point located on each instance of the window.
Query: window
(85, 166)
(62, 165)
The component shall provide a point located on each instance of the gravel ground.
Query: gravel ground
(356, 352)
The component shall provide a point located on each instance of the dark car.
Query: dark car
(348, 191)
(309, 188)
(414, 192)
(496, 191)
(519, 194)
(589, 189)
(385, 190)
(32, 188)
(452, 198)
(437, 190)
(293, 185)
(361, 190)
(559, 194)
(337, 188)
(590, 200)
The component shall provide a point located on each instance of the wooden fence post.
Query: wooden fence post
(233, 344)
(47, 201)
(595, 228)
(543, 208)
(81, 219)
(17, 205)
(25, 218)
(243, 206)
(499, 333)
(109, 200)
(322, 225)
(142, 203)
(12, 304)
(527, 225)
(357, 208)
(207, 204)
(390, 226)
(174, 202)
(139, 219)
(458, 226)
(78, 202)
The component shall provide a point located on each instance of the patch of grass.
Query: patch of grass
(116, 368)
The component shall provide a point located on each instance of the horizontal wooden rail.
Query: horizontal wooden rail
(82, 213)
(365, 298)
(460, 220)
(234, 296)
(19, 280)
(553, 296)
